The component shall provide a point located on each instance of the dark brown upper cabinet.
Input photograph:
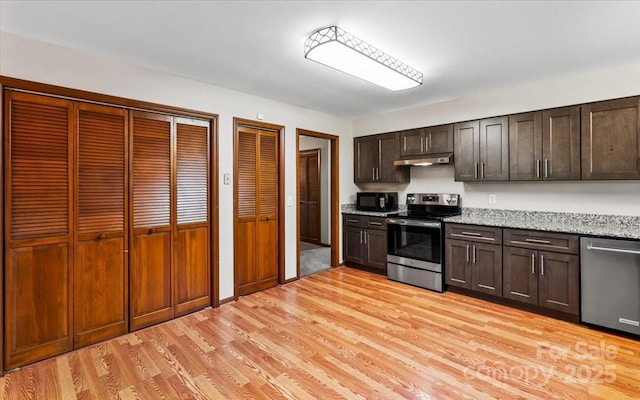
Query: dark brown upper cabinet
(423, 141)
(611, 139)
(545, 145)
(373, 159)
(481, 150)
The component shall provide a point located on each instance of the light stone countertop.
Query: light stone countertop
(616, 226)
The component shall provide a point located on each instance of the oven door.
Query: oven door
(415, 243)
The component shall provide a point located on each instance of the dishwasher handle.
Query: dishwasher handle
(613, 250)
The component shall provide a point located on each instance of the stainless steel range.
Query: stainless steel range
(415, 240)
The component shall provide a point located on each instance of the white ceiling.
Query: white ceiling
(256, 47)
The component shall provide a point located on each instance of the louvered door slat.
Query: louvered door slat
(246, 185)
(192, 170)
(39, 175)
(101, 170)
(151, 172)
(268, 174)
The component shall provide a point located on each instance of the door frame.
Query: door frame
(334, 196)
(279, 129)
(316, 152)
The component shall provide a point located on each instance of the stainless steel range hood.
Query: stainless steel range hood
(431, 159)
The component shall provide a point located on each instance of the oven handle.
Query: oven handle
(413, 222)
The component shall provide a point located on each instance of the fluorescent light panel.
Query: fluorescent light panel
(341, 50)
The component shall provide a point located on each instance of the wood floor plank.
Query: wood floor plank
(345, 333)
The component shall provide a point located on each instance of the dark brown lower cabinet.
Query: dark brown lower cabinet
(365, 242)
(474, 266)
(542, 278)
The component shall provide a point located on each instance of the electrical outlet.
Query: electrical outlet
(290, 201)
(492, 198)
(227, 179)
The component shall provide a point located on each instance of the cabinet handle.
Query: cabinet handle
(429, 145)
(533, 265)
(474, 253)
(475, 172)
(365, 237)
(538, 241)
(353, 220)
(467, 252)
(361, 238)
(102, 236)
(546, 167)
(541, 264)
(152, 231)
(404, 143)
(375, 223)
(537, 168)
(482, 170)
(373, 174)
(471, 233)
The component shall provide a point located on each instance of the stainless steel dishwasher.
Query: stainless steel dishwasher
(610, 283)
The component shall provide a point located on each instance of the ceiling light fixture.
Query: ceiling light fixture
(341, 50)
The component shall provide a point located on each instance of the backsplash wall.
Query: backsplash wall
(591, 197)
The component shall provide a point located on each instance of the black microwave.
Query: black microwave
(377, 201)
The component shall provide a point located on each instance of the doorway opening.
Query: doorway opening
(318, 209)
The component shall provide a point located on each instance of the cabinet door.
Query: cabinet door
(376, 249)
(38, 201)
(439, 139)
(561, 143)
(525, 147)
(412, 142)
(151, 274)
(352, 244)
(365, 159)
(611, 139)
(267, 240)
(100, 283)
(520, 279)
(457, 270)
(486, 268)
(388, 153)
(559, 282)
(192, 266)
(494, 149)
(466, 151)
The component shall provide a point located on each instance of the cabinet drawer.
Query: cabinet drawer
(355, 220)
(558, 242)
(376, 223)
(477, 233)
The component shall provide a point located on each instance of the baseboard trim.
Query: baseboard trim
(295, 278)
(227, 300)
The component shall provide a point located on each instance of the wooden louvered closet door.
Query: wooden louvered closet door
(150, 270)
(100, 273)
(310, 196)
(38, 145)
(256, 227)
(192, 249)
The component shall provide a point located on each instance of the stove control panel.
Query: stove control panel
(445, 199)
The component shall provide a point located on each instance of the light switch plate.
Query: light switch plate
(290, 201)
(227, 179)
(492, 199)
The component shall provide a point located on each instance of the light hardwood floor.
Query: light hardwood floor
(349, 334)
